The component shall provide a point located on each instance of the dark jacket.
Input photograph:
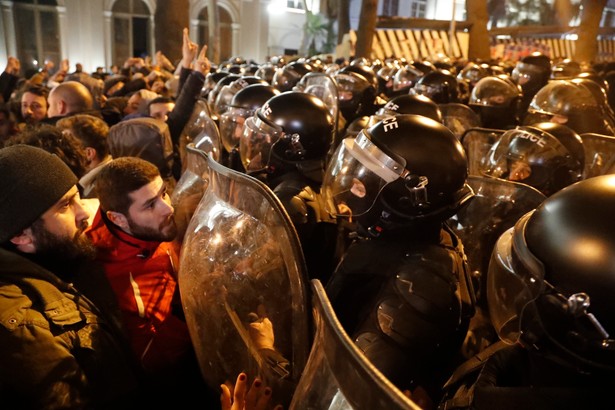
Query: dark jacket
(57, 348)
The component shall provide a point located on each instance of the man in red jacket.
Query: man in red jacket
(133, 233)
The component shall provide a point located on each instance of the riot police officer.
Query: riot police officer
(551, 284)
(546, 156)
(531, 73)
(497, 101)
(285, 145)
(401, 290)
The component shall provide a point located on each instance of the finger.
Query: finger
(254, 393)
(263, 400)
(186, 36)
(204, 51)
(240, 388)
(262, 312)
(225, 397)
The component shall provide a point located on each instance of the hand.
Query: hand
(64, 65)
(48, 66)
(189, 50)
(202, 62)
(13, 66)
(163, 62)
(261, 329)
(256, 398)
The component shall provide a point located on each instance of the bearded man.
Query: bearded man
(61, 340)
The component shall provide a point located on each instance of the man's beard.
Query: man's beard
(56, 248)
(167, 231)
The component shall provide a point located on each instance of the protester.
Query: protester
(133, 232)
(61, 343)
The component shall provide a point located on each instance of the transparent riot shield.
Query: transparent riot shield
(202, 131)
(338, 376)
(459, 118)
(322, 86)
(497, 205)
(243, 284)
(190, 188)
(599, 154)
(477, 142)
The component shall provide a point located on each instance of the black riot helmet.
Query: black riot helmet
(411, 104)
(290, 128)
(213, 95)
(439, 85)
(551, 279)
(497, 101)
(531, 73)
(266, 72)
(211, 80)
(288, 76)
(569, 103)
(404, 79)
(242, 106)
(228, 91)
(385, 79)
(356, 94)
(365, 70)
(404, 168)
(565, 69)
(546, 156)
(424, 66)
(472, 72)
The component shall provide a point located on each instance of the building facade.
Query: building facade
(99, 33)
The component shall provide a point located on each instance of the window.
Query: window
(294, 4)
(226, 33)
(37, 33)
(418, 8)
(131, 30)
(390, 7)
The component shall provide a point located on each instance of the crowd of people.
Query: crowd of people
(374, 163)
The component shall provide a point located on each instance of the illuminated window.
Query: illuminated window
(131, 30)
(37, 33)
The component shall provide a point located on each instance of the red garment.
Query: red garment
(143, 276)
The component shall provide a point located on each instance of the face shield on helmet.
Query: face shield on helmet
(524, 307)
(358, 171)
(256, 143)
(528, 156)
(405, 78)
(223, 98)
(513, 282)
(231, 126)
(493, 91)
(346, 87)
(266, 72)
(439, 86)
(527, 73)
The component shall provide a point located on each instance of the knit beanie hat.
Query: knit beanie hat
(31, 181)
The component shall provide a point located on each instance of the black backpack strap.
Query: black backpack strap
(463, 392)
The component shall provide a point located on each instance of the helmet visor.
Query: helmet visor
(256, 142)
(231, 126)
(346, 86)
(493, 93)
(427, 90)
(224, 98)
(356, 174)
(514, 280)
(517, 151)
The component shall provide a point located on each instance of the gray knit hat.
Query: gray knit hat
(31, 181)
